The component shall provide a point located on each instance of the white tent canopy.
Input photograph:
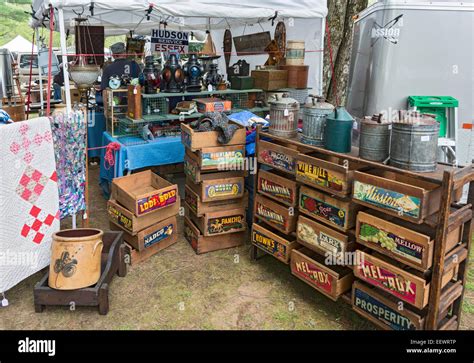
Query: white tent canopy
(19, 45)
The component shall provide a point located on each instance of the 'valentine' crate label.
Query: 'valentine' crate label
(156, 201)
(276, 190)
(271, 216)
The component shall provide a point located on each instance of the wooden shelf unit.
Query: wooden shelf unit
(443, 310)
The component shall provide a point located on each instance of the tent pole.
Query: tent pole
(38, 47)
(62, 36)
(321, 65)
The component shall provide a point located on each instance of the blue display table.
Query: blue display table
(95, 129)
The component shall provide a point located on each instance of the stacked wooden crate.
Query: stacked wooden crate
(215, 197)
(144, 206)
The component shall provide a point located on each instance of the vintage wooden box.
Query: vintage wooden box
(396, 194)
(218, 158)
(322, 239)
(273, 242)
(213, 104)
(325, 172)
(130, 223)
(144, 192)
(218, 186)
(242, 82)
(270, 79)
(219, 222)
(277, 156)
(281, 217)
(338, 213)
(383, 310)
(161, 234)
(199, 208)
(134, 99)
(276, 186)
(197, 140)
(202, 244)
(309, 267)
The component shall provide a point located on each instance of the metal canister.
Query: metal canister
(375, 138)
(338, 132)
(6, 74)
(314, 120)
(284, 116)
(415, 144)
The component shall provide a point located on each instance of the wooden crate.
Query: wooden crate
(130, 223)
(276, 186)
(220, 222)
(145, 192)
(134, 98)
(270, 79)
(322, 239)
(161, 235)
(281, 217)
(218, 186)
(309, 267)
(218, 158)
(199, 208)
(338, 213)
(273, 242)
(325, 172)
(277, 156)
(199, 140)
(383, 310)
(396, 194)
(202, 244)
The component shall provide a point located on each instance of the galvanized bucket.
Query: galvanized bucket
(314, 121)
(284, 117)
(374, 141)
(414, 145)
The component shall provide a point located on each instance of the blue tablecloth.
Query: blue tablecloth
(95, 129)
(136, 154)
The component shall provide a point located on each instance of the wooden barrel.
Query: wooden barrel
(295, 53)
(75, 258)
(297, 76)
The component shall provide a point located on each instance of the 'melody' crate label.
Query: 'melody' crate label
(156, 201)
(226, 224)
(229, 157)
(318, 175)
(388, 199)
(322, 209)
(158, 236)
(275, 189)
(223, 189)
(119, 218)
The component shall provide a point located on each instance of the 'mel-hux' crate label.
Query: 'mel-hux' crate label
(314, 275)
(156, 201)
(221, 157)
(393, 318)
(225, 224)
(270, 215)
(323, 210)
(390, 241)
(322, 240)
(120, 219)
(223, 190)
(388, 281)
(318, 176)
(276, 190)
(387, 199)
(159, 235)
(278, 160)
(269, 245)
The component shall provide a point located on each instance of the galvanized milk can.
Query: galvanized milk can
(314, 120)
(415, 143)
(284, 116)
(338, 132)
(374, 141)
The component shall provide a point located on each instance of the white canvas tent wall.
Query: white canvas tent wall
(19, 45)
(305, 20)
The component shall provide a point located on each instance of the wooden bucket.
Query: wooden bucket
(295, 50)
(75, 258)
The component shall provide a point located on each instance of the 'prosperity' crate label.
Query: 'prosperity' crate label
(278, 160)
(380, 311)
(156, 201)
(269, 245)
(271, 216)
(395, 244)
(319, 176)
(314, 275)
(276, 190)
(158, 235)
(120, 219)
(235, 157)
(322, 209)
(387, 199)
(223, 190)
(226, 224)
(308, 234)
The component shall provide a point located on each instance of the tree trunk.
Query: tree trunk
(340, 14)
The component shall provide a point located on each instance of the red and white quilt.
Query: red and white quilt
(29, 201)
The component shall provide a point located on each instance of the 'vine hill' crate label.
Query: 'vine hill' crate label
(318, 175)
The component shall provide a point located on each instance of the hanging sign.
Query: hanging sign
(163, 40)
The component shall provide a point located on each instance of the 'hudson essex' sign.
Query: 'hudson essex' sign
(163, 40)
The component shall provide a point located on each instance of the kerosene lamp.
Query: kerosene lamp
(151, 75)
(193, 71)
(173, 75)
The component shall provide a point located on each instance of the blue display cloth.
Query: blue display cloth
(95, 129)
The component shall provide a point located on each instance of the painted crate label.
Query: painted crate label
(323, 210)
(395, 244)
(190, 169)
(318, 176)
(190, 236)
(380, 311)
(225, 224)
(269, 244)
(223, 158)
(322, 240)
(388, 281)
(191, 201)
(314, 275)
(156, 201)
(276, 190)
(159, 235)
(387, 199)
(271, 216)
(120, 219)
(223, 190)
(186, 139)
(278, 160)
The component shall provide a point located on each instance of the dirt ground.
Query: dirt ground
(176, 289)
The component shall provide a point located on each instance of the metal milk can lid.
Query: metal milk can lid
(319, 102)
(283, 101)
